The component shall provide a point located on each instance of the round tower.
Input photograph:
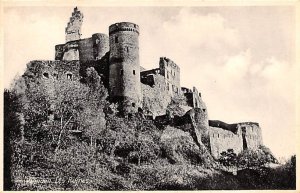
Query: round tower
(124, 69)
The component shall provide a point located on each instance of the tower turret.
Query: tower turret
(124, 69)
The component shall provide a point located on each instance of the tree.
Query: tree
(12, 132)
(93, 117)
(254, 158)
(228, 158)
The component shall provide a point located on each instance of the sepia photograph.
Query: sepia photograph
(149, 96)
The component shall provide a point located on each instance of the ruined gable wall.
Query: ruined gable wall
(73, 29)
(156, 98)
(222, 140)
(171, 72)
(253, 137)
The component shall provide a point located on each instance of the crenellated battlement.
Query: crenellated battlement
(123, 26)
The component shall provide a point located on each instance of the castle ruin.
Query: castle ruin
(116, 59)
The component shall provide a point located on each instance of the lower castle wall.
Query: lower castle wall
(222, 140)
(47, 73)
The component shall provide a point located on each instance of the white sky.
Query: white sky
(242, 59)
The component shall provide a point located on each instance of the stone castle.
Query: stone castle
(116, 59)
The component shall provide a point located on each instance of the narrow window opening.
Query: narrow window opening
(46, 75)
(133, 104)
(203, 110)
(69, 76)
(116, 39)
(55, 75)
(133, 72)
(218, 135)
(121, 72)
(127, 49)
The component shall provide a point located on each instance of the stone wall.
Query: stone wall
(101, 45)
(73, 29)
(171, 72)
(53, 70)
(222, 140)
(49, 72)
(155, 98)
(193, 98)
(71, 51)
(251, 135)
(88, 49)
(239, 137)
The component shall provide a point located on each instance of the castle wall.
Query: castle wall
(47, 73)
(155, 98)
(101, 45)
(244, 136)
(71, 51)
(171, 72)
(124, 69)
(193, 98)
(51, 70)
(59, 51)
(86, 49)
(222, 140)
(252, 133)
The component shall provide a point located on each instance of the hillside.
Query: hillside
(68, 136)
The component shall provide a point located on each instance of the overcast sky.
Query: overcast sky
(242, 59)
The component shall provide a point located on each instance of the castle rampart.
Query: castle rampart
(238, 136)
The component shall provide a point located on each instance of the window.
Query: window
(133, 104)
(69, 76)
(46, 75)
(218, 135)
(203, 110)
(133, 72)
(167, 86)
(127, 49)
(55, 76)
(116, 39)
(167, 75)
(121, 72)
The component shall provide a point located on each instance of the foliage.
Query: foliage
(228, 158)
(254, 158)
(112, 152)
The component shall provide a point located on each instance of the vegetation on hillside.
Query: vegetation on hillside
(69, 137)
